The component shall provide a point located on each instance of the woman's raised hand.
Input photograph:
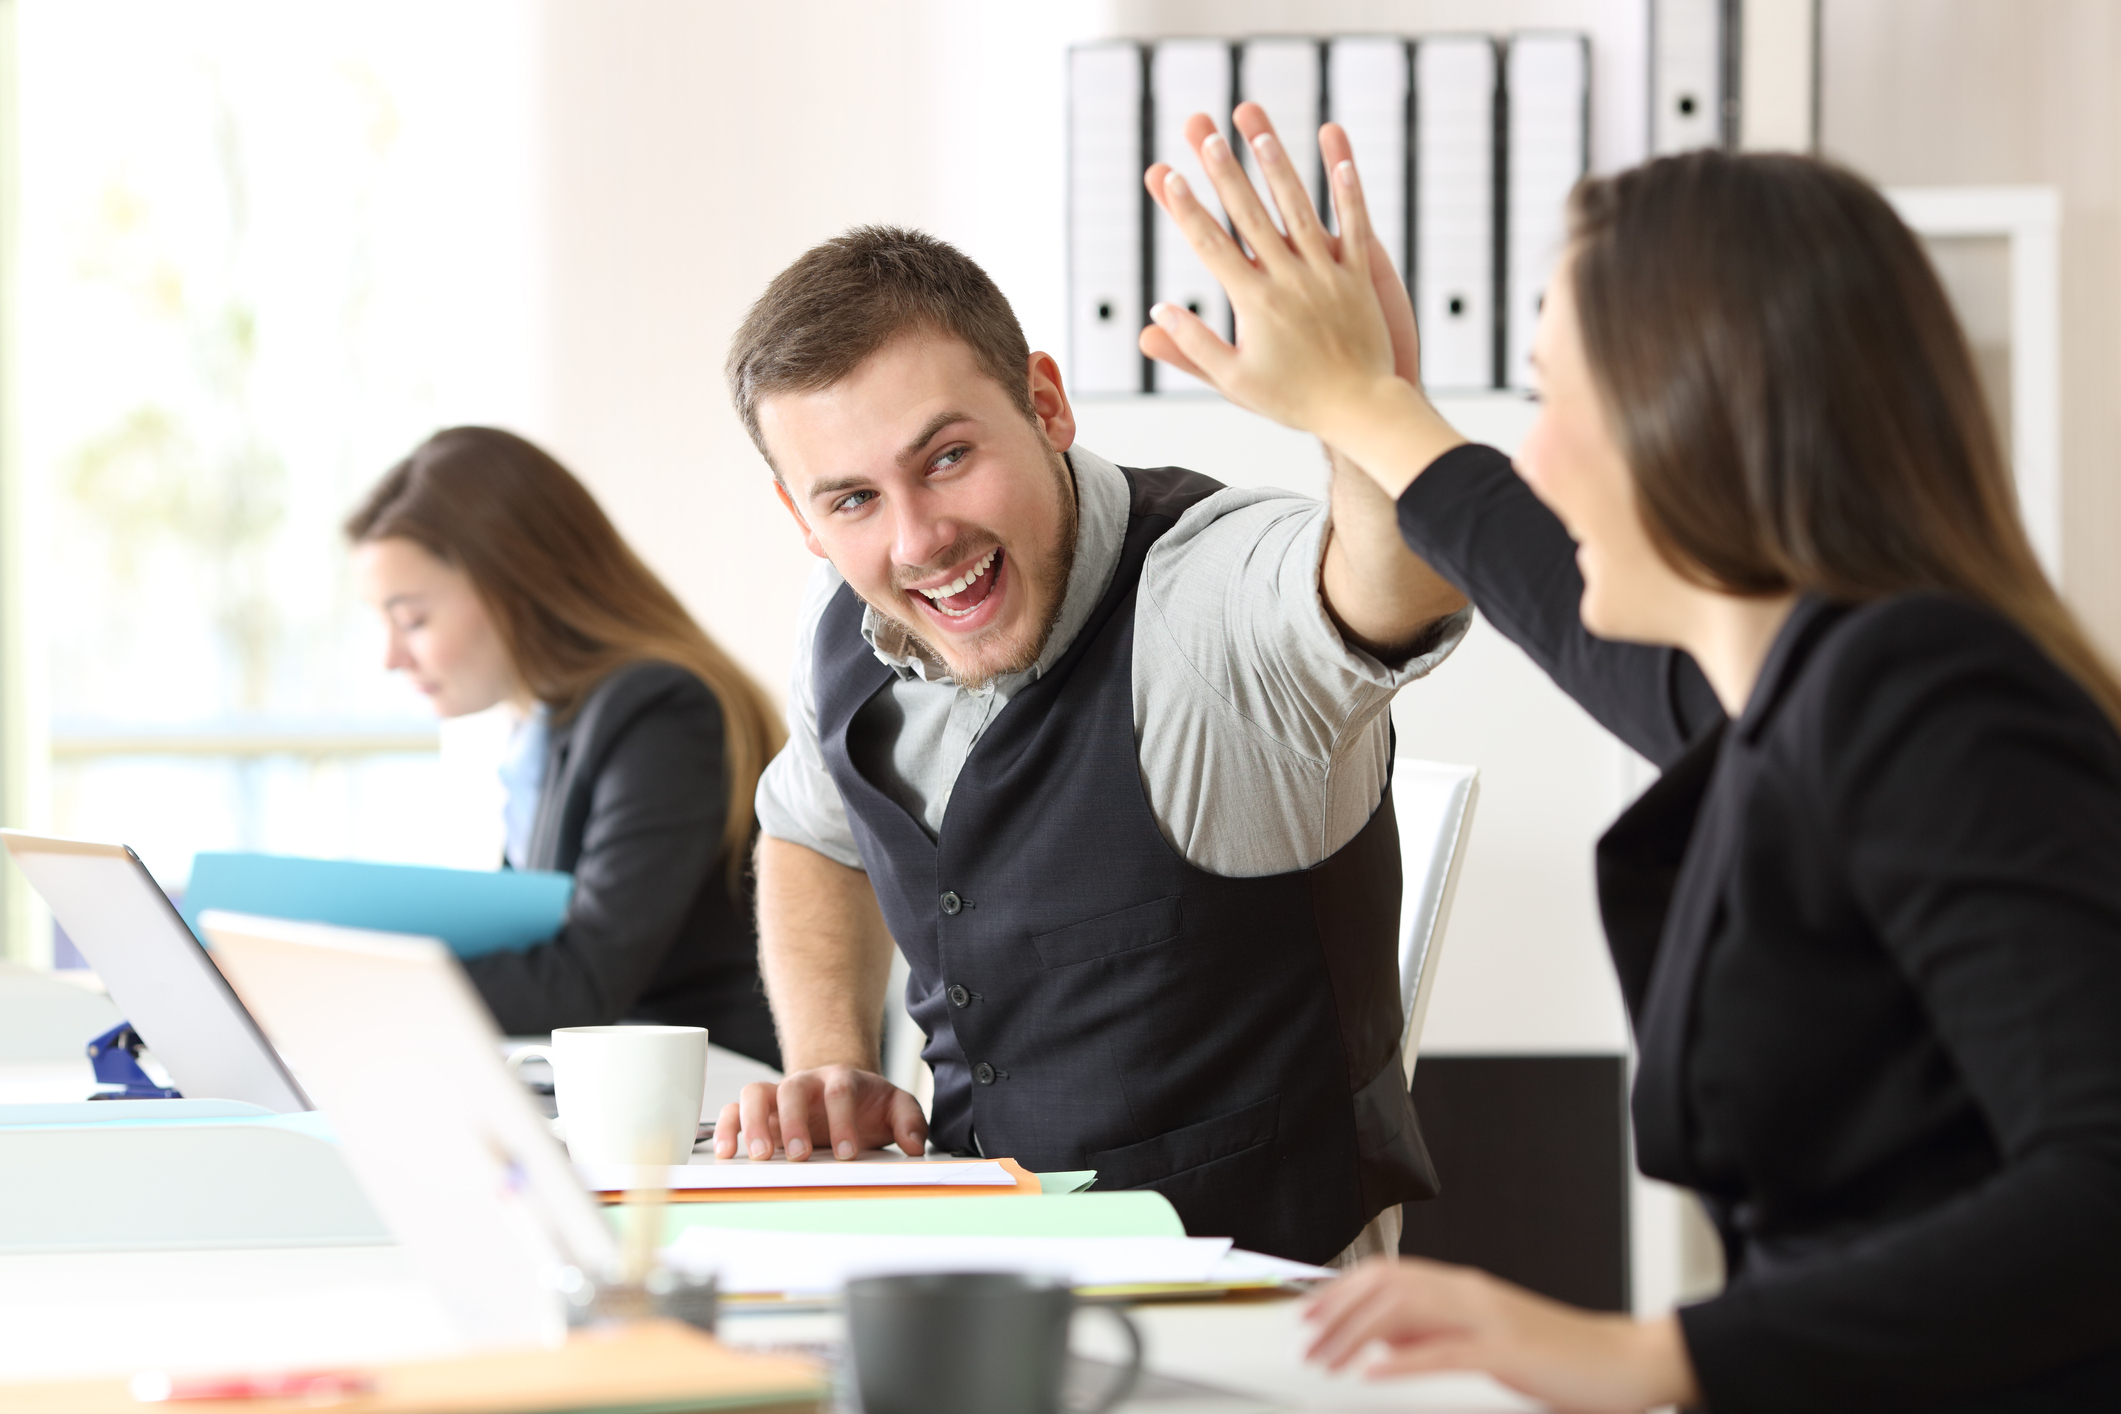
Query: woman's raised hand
(1312, 332)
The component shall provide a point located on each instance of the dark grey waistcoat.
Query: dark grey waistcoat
(1092, 1000)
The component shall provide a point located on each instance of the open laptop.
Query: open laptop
(158, 974)
(401, 1053)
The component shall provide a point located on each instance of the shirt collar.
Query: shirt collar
(1101, 498)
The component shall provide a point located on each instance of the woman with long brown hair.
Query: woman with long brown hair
(1868, 921)
(638, 744)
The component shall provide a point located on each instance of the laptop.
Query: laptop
(162, 980)
(398, 1049)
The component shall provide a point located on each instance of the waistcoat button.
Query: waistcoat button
(959, 997)
(983, 1073)
(951, 902)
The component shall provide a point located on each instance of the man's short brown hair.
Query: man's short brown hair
(842, 301)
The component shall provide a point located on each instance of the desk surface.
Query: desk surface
(115, 1313)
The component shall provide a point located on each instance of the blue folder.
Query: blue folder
(475, 911)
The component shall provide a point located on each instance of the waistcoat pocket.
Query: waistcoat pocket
(1189, 1147)
(1142, 926)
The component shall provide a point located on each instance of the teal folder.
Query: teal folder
(475, 911)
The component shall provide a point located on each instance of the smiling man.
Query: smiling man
(1105, 751)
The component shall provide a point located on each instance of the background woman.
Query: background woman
(638, 746)
(1868, 921)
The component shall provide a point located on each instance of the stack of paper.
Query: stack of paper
(806, 1264)
(749, 1180)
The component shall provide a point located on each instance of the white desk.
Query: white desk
(114, 1313)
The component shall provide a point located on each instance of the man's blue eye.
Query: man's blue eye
(851, 502)
(951, 457)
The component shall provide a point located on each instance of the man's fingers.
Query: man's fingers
(1203, 348)
(1153, 179)
(757, 1105)
(843, 1126)
(1356, 238)
(797, 1093)
(909, 1127)
(728, 1130)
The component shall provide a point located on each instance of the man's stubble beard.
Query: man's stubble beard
(1059, 565)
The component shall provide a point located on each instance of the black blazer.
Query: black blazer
(633, 804)
(1870, 939)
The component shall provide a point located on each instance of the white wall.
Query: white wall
(696, 148)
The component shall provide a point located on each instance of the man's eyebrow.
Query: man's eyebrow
(834, 484)
(927, 433)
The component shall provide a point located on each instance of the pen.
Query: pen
(310, 1386)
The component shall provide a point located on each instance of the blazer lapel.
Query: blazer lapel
(1714, 786)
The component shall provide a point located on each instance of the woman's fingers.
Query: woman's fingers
(1214, 245)
(1164, 349)
(1299, 216)
(1240, 201)
(1447, 1352)
(1205, 352)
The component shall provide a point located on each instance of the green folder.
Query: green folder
(474, 911)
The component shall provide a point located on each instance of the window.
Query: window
(264, 250)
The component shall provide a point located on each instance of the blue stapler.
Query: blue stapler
(116, 1057)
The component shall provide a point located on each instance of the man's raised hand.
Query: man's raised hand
(850, 1109)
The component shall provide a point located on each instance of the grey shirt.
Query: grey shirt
(1263, 738)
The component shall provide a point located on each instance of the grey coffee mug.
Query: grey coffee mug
(969, 1343)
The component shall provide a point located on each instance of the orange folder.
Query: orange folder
(1026, 1185)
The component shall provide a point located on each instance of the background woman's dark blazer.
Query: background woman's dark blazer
(633, 804)
(1870, 940)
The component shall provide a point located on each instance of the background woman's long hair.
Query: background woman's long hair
(568, 596)
(1797, 403)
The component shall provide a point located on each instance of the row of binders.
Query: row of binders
(1468, 146)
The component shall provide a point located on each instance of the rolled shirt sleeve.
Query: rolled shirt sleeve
(1264, 739)
(797, 800)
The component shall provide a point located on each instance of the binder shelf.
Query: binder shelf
(1468, 146)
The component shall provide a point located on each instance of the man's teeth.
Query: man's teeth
(960, 585)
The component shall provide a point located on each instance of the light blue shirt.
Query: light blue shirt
(522, 774)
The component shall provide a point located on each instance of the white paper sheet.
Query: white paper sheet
(808, 1264)
(779, 1173)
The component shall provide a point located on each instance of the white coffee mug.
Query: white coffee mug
(626, 1094)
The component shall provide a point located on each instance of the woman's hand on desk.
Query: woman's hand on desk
(849, 1108)
(1434, 1318)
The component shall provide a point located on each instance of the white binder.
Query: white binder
(1687, 71)
(1366, 93)
(1284, 77)
(1105, 218)
(1546, 85)
(1187, 76)
(1454, 210)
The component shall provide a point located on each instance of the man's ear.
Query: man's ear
(1049, 401)
(803, 525)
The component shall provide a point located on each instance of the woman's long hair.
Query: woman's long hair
(1798, 405)
(569, 598)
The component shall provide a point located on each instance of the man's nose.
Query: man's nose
(922, 537)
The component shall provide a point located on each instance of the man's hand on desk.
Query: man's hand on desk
(853, 1108)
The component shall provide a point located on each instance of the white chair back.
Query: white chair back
(1434, 801)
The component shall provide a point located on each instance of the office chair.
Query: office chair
(1434, 801)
